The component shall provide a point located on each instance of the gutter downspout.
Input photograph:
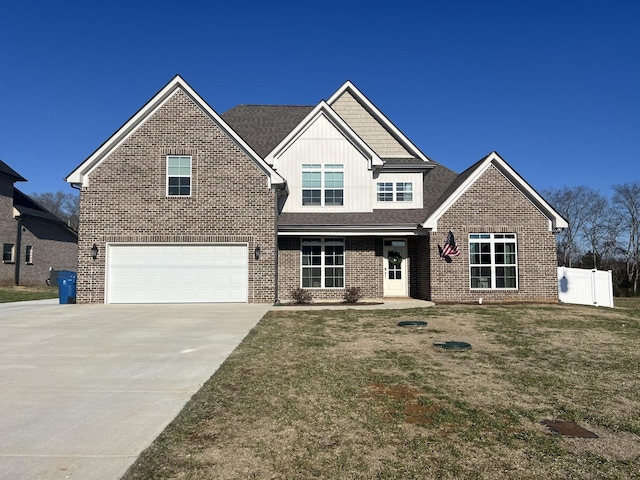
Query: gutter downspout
(276, 249)
(18, 249)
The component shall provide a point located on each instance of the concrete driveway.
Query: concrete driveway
(85, 388)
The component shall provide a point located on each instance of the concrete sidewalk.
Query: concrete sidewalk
(85, 388)
(366, 304)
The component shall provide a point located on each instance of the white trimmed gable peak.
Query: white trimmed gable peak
(323, 110)
(467, 178)
(80, 176)
(372, 125)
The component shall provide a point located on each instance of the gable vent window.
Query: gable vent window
(28, 255)
(178, 176)
(322, 184)
(8, 252)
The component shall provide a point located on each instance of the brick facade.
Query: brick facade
(126, 200)
(363, 268)
(54, 245)
(493, 205)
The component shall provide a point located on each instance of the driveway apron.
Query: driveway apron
(85, 388)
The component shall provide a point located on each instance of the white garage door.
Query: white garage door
(171, 273)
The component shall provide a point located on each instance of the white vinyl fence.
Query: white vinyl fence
(585, 287)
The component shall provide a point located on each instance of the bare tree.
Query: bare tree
(65, 205)
(626, 202)
(576, 205)
(600, 228)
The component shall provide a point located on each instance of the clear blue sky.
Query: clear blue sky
(553, 86)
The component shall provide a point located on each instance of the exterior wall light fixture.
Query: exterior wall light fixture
(256, 252)
(94, 251)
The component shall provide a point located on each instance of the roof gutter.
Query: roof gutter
(411, 229)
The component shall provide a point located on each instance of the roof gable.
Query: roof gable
(81, 174)
(324, 110)
(7, 171)
(27, 206)
(371, 123)
(467, 178)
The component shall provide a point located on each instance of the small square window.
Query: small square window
(385, 192)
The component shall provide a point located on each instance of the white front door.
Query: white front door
(395, 268)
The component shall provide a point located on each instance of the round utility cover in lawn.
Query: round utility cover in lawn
(412, 323)
(453, 345)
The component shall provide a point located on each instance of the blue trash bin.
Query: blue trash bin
(67, 286)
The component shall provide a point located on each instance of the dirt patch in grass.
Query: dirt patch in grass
(350, 394)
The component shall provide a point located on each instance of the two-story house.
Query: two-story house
(184, 205)
(34, 240)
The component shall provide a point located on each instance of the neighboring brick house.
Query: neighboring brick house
(185, 205)
(34, 240)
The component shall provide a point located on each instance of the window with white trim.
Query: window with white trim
(322, 185)
(178, 176)
(8, 250)
(493, 261)
(28, 255)
(322, 263)
(398, 192)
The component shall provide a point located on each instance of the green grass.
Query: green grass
(21, 294)
(349, 394)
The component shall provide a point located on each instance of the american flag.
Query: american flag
(450, 248)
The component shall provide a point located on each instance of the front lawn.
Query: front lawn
(349, 394)
(21, 294)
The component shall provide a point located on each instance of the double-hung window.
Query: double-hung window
(8, 252)
(178, 176)
(322, 184)
(398, 192)
(322, 263)
(493, 260)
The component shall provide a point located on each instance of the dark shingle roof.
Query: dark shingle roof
(7, 171)
(452, 186)
(27, 206)
(264, 126)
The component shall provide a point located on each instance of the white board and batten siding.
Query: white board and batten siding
(585, 287)
(177, 273)
(321, 143)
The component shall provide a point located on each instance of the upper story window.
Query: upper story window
(178, 176)
(8, 252)
(322, 184)
(398, 191)
(493, 260)
(28, 255)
